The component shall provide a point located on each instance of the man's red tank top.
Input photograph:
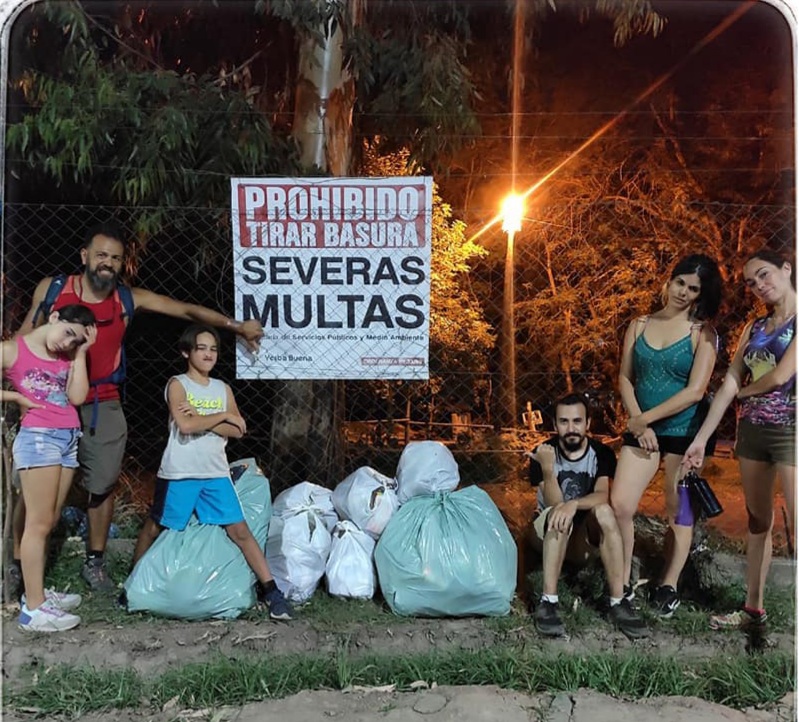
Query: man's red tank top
(103, 356)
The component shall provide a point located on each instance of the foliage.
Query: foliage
(603, 255)
(460, 337)
(630, 17)
(152, 139)
(415, 90)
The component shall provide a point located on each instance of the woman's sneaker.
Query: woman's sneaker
(740, 619)
(665, 601)
(63, 600)
(47, 618)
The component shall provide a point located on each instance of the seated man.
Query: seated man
(575, 519)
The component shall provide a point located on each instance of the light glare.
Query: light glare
(512, 213)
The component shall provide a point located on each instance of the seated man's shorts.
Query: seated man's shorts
(100, 453)
(213, 500)
(584, 539)
(35, 448)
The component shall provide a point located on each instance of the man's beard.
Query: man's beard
(100, 283)
(569, 442)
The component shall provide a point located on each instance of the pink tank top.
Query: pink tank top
(43, 381)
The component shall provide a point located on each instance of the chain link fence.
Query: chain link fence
(576, 291)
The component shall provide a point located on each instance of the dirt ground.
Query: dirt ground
(456, 704)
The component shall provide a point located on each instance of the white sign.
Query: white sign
(337, 270)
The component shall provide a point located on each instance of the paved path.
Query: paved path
(456, 704)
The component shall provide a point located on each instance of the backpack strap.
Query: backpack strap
(57, 284)
(125, 295)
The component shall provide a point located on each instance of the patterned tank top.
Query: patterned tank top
(762, 354)
(43, 381)
(660, 373)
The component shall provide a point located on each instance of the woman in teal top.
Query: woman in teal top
(667, 360)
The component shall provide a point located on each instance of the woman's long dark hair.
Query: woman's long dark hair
(707, 304)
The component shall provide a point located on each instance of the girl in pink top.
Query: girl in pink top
(47, 368)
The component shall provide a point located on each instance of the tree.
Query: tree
(609, 246)
(460, 337)
(120, 108)
(130, 132)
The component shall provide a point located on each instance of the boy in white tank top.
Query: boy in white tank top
(194, 476)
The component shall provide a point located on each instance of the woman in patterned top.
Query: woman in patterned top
(762, 377)
(666, 363)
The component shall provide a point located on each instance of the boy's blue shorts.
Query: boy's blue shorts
(213, 500)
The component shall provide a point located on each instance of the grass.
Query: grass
(582, 599)
(738, 682)
(331, 614)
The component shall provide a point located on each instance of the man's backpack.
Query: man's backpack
(123, 297)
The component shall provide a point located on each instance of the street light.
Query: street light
(512, 213)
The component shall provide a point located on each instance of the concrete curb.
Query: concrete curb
(781, 573)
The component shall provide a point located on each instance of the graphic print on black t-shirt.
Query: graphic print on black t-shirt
(576, 477)
(575, 484)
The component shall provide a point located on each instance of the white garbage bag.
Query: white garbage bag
(306, 497)
(368, 499)
(350, 566)
(426, 467)
(297, 549)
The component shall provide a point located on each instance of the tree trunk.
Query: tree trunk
(325, 97)
(565, 357)
(306, 440)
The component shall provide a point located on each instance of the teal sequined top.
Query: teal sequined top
(659, 375)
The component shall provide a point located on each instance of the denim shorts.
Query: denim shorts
(35, 448)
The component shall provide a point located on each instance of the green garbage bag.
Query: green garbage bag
(447, 555)
(198, 573)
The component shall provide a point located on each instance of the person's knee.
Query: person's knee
(150, 529)
(623, 508)
(605, 517)
(97, 500)
(239, 532)
(39, 526)
(760, 523)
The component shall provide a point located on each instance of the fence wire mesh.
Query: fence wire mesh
(576, 291)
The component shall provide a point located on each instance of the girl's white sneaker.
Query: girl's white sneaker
(64, 600)
(47, 618)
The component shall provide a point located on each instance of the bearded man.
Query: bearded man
(575, 520)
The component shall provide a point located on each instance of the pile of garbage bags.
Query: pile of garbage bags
(433, 551)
